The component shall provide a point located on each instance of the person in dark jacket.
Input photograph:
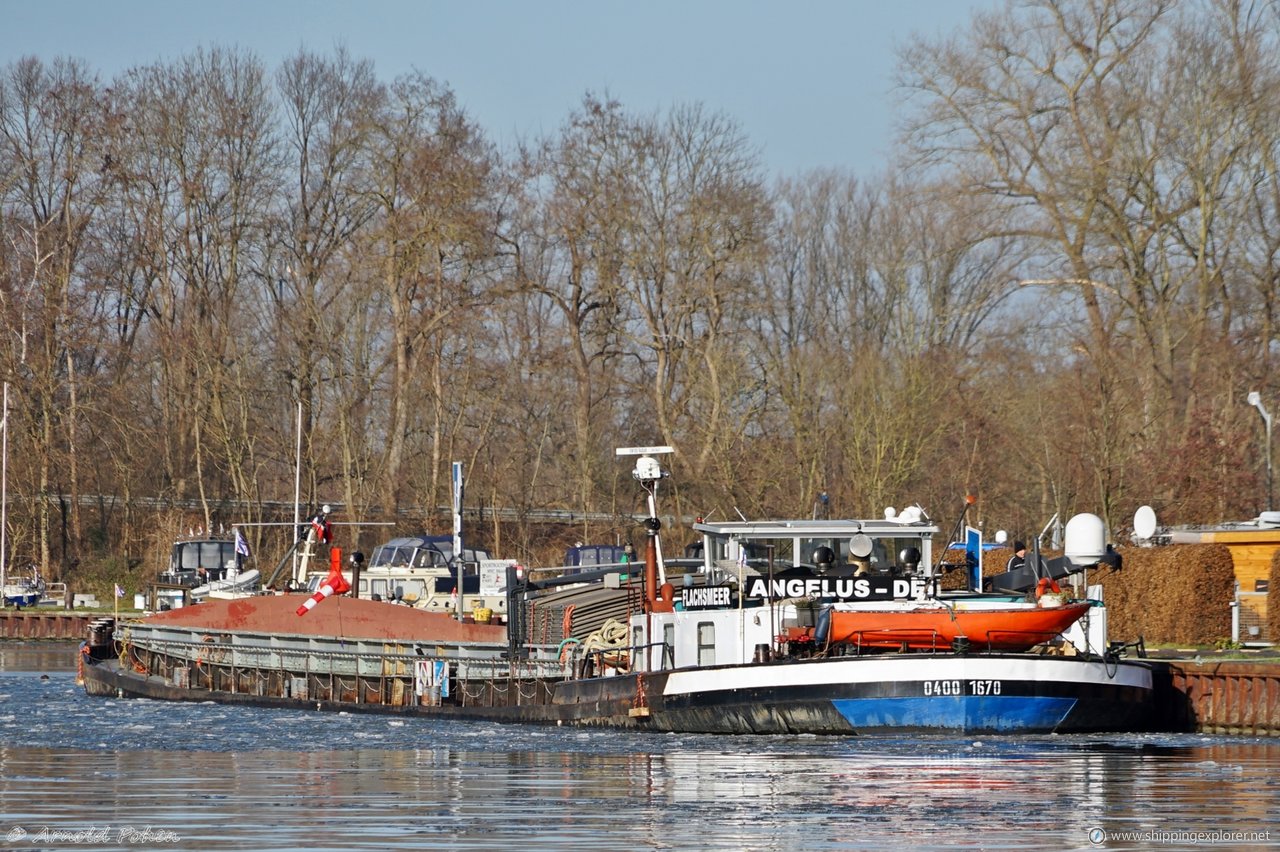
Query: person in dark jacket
(1019, 557)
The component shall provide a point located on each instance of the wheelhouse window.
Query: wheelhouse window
(668, 645)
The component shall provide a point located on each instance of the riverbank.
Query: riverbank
(1218, 696)
(34, 623)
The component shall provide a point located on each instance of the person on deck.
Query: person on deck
(1019, 557)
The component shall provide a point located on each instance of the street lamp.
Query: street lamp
(1255, 399)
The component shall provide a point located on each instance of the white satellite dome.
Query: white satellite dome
(1086, 539)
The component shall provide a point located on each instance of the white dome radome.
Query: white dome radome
(1086, 539)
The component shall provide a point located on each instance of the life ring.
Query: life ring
(1047, 584)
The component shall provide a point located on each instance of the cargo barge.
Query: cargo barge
(723, 654)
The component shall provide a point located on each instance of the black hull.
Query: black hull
(838, 705)
(106, 679)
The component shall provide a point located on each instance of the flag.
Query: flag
(119, 591)
(242, 546)
(321, 526)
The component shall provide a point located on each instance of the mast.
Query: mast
(649, 473)
(4, 494)
(297, 492)
(457, 537)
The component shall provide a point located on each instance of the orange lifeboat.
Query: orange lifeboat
(1009, 629)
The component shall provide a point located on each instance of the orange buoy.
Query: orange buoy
(1047, 584)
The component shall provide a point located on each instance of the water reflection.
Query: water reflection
(695, 795)
(219, 777)
(19, 656)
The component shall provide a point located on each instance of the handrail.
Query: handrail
(898, 632)
(162, 645)
(596, 657)
(1043, 635)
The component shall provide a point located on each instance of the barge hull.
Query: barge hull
(816, 701)
(106, 679)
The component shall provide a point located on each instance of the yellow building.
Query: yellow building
(1252, 548)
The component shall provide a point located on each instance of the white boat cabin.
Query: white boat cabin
(712, 637)
(902, 545)
(783, 566)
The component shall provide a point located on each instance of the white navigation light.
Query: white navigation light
(325, 508)
(1001, 536)
(890, 513)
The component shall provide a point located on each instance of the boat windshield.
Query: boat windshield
(406, 556)
(422, 551)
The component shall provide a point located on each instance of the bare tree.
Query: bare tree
(51, 127)
(694, 242)
(569, 255)
(433, 248)
(1115, 136)
(329, 108)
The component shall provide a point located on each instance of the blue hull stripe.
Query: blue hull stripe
(958, 712)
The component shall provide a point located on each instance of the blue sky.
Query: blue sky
(809, 81)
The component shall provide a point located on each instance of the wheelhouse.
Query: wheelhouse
(840, 546)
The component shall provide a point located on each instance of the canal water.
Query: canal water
(79, 772)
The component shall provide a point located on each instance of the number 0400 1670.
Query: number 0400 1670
(961, 687)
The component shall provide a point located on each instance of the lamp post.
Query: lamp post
(1255, 399)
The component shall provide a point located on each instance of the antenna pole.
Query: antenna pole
(297, 487)
(4, 495)
(969, 500)
(649, 473)
(457, 536)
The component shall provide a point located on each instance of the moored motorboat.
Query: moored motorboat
(203, 565)
(423, 571)
(23, 590)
